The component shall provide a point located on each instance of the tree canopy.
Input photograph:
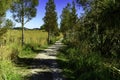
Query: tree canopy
(4, 6)
(50, 19)
(102, 23)
(23, 11)
(69, 21)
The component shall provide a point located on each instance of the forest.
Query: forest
(91, 41)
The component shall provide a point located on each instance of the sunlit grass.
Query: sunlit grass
(36, 39)
(11, 49)
(30, 37)
(8, 71)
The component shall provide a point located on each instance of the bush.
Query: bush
(84, 66)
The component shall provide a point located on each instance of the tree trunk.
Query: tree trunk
(22, 31)
(48, 37)
(22, 24)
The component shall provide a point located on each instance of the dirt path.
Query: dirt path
(44, 66)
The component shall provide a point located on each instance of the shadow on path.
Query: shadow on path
(41, 76)
(38, 64)
(32, 63)
(44, 66)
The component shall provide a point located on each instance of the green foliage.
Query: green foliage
(50, 20)
(69, 21)
(11, 51)
(8, 71)
(100, 26)
(8, 55)
(2, 31)
(9, 23)
(23, 11)
(5, 5)
(84, 66)
(27, 51)
(65, 19)
(73, 17)
(97, 42)
(14, 53)
(42, 27)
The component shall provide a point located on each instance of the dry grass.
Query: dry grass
(10, 46)
(30, 37)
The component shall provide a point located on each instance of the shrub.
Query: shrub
(81, 66)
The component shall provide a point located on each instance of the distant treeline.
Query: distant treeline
(20, 28)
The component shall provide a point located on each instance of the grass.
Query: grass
(80, 66)
(33, 39)
(11, 49)
(8, 71)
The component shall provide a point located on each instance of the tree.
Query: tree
(69, 21)
(9, 23)
(102, 23)
(23, 11)
(50, 20)
(42, 27)
(73, 21)
(65, 20)
(73, 16)
(4, 6)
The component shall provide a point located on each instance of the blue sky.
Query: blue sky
(37, 21)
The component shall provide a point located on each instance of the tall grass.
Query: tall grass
(33, 39)
(8, 71)
(84, 66)
(36, 37)
(10, 47)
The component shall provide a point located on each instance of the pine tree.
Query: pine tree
(73, 17)
(50, 20)
(65, 20)
(73, 21)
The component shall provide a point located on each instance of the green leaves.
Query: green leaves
(69, 22)
(101, 25)
(50, 20)
(23, 11)
(4, 5)
(26, 9)
(65, 19)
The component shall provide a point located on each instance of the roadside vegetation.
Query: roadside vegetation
(11, 51)
(93, 47)
(34, 39)
(17, 44)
